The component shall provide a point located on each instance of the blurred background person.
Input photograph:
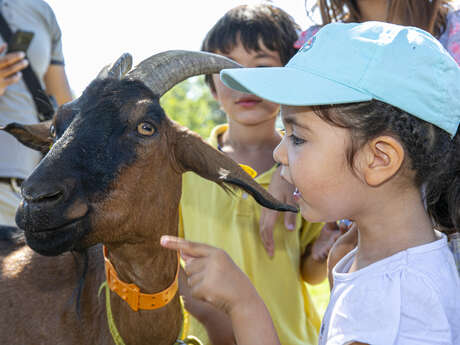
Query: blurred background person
(16, 103)
(437, 17)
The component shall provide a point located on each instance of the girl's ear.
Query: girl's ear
(384, 156)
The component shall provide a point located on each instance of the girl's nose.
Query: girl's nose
(280, 152)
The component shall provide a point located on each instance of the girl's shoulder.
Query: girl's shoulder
(393, 300)
(306, 35)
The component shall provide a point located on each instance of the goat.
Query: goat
(111, 175)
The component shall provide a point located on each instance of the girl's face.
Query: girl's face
(313, 158)
(244, 108)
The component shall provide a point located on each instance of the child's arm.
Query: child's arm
(313, 270)
(218, 325)
(326, 239)
(343, 245)
(314, 263)
(214, 278)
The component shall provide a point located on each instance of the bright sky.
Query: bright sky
(95, 33)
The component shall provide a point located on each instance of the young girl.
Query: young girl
(371, 135)
(434, 16)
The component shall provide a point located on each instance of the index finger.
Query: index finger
(190, 249)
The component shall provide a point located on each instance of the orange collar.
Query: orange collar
(131, 292)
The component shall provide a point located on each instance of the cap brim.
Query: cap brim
(289, 86)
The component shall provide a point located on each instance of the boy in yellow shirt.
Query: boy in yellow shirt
(254, 36)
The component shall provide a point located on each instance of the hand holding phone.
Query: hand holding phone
(12, 64)
(20, 41)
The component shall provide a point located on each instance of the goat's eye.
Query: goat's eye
(145, 128)
(52, 131)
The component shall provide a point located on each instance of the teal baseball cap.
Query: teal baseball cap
(356, 62)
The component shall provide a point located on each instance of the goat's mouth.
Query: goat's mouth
(55, 241)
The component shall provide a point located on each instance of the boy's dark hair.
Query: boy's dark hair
(432, 154)
(249, 23)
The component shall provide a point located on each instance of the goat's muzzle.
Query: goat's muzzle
(53, 218)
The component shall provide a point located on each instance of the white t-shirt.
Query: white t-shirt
(409, 298)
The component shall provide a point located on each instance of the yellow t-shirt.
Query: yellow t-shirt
(231, 222)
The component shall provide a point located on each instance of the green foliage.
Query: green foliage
(191, 104)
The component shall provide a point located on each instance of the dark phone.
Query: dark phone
(20, 41)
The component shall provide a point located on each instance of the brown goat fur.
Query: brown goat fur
(102, 182)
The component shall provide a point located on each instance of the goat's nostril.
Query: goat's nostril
(44, 197)
(53, 196)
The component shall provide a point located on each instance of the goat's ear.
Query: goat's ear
(194, 154)
(36, 136)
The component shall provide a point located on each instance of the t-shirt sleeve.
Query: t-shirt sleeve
(400, 308)
(309, 232)
(57, 56)
(424, 320)
(306, 35)
(450, 39)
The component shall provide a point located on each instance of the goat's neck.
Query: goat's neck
(145, 263)
(148, 266)
(152, 268)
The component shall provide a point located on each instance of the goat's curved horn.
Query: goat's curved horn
(118, 69)
(162, 71)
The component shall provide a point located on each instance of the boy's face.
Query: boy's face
(313, 157)
(243, 108)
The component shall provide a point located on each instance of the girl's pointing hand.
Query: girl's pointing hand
(212, 275)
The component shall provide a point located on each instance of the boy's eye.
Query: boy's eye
(296, 140)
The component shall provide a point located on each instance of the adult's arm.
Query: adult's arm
(57, 84)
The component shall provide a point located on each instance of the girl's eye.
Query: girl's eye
(146, 129)
(296, 140)
(52, 131)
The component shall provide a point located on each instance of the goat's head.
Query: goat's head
(112, 151)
